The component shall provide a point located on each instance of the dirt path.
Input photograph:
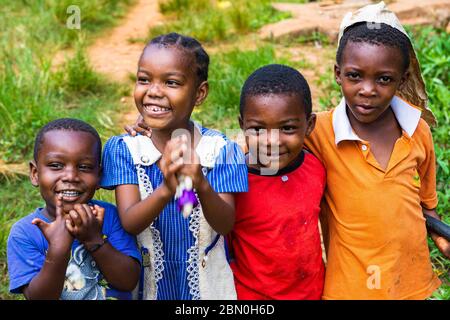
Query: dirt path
(116, 56)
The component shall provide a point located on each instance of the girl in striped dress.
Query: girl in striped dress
(183, 258)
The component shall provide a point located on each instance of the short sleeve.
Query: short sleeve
(229, 174)
(117, 236)
(427, 171)
(25, 258)
(117, 163)
(313, 141)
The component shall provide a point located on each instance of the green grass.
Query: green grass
(433, 47)
(31, 93)
(47, 20)
(228, 72)
(212, 21)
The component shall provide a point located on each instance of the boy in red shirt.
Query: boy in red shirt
(276, 241)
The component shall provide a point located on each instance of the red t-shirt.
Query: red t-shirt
(276, 240)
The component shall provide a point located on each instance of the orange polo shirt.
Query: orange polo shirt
(377, 246)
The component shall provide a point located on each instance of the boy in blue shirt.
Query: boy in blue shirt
(65, 249)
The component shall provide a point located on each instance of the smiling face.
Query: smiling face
(67, 164)
(276, 123)
(167, 87)
(369, 75)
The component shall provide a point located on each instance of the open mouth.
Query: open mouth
(155, 110)
(70, 195)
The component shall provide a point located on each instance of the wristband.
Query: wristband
(94, 247)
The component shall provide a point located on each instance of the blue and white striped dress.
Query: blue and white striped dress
(229, 175)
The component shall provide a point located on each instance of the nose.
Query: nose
(367, 88)
(70, 174)
(154, 90)
(270, 140)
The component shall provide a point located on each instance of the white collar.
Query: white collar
(407, 116)
(144, 151)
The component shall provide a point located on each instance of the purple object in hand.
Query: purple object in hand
(188, 196)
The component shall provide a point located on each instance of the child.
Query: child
(380, 165)
(65, 249)
(276, 240)
(183, 258)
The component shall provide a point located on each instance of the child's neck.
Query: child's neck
(382, 135)
(160, 137)
(49, 213)
(386, 123)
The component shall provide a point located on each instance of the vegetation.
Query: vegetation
(33, 91)
(208, 20)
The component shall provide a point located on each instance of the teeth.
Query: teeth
(70, 193)
(156, 109)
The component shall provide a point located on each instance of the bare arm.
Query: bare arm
(136, 215)
(120, 270)
(49, 282)
(218, 208)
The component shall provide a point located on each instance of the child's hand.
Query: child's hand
(86, 223)
(139, 127)
(56, 232)
(442, 244)
(171, 162)
(192, 167)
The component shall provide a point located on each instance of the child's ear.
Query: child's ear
(34, 177)
(202, 93)
(310, 125)
(241, 123)
(337, 74)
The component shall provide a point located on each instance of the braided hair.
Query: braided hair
(188, 44)
(381, 34)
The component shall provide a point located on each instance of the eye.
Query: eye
(142, 80)
(384, 80)
(353, 75)
(288, 129)
(55, 165)
(173, 83)
(85, 167)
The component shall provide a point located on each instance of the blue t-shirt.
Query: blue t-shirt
(228, 175)
(27, 248)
